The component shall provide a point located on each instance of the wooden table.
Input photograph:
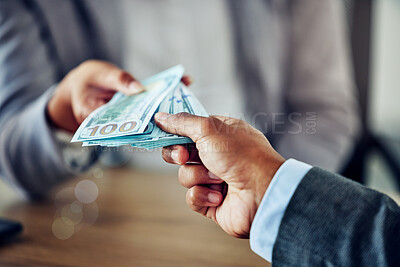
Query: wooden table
(138, 219)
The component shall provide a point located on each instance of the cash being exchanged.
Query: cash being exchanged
(129, 120)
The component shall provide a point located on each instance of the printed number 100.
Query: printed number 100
(110, 128)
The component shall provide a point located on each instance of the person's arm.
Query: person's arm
(305, 206)
(33, 104)
(309, 216)
(321, 101)
(29, 155)
(265, 227)
(331, 220)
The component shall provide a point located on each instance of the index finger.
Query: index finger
(106, 75)
(186, 124)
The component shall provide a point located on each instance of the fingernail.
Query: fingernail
(135, 87)
(188, 80)
(161, 116)
(213, 198)
(213, 176)
(175, 155)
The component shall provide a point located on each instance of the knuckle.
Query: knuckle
(187, 177)
(88, 67)
(166, 154)
(190, 197)
(88, 63)
(193, 192)
(179, 116)
(182, 176)
(112, 75)
(125, 77)
(99, 65)
(209, 124)
(81, 116)
(175, 121)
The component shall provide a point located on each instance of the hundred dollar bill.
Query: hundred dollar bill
(178, 100)
(129, 115)
(181, 101)
(132, 118)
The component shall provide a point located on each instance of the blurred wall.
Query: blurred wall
(385, 98)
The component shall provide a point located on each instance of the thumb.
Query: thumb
(184, 124)
(108, 76)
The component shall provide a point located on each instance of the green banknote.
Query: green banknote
(129, 115)
(130, 120)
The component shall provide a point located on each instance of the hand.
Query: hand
(237, 166)
(85, 88)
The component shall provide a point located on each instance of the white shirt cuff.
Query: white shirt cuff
(266, 223)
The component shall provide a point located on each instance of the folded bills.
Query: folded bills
(129, 120)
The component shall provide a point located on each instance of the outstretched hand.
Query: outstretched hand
(87, 87)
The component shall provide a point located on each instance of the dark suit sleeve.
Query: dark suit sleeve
(332, 221)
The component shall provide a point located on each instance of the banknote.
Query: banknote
(129, 115)
(133, 116)
(179, 100)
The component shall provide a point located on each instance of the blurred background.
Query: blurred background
(140, 193)
(374, 32)
(385, 92)
(377, 64)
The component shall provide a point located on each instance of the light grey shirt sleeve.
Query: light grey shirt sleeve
(30, 156)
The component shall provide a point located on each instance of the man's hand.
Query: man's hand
(85, 88)
(237, 164)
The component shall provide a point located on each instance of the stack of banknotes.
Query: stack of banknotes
(129, 120)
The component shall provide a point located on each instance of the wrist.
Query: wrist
(268, 168)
